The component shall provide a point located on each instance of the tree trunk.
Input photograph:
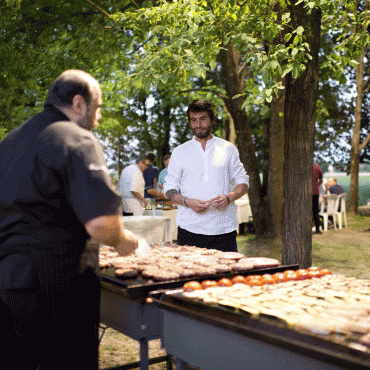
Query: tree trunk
(299, 121)
(228, 126)
(356, 146)
(119, 157)
(355, 141)
(275, 187)
(234, 84)
(266, 165)
(166, 139)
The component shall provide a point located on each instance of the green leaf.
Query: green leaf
(300, 30)
(295, 73)
(275, 65)
(189, 52)
(265, 110)
(213, 64)
(287, 70)
(286, 16)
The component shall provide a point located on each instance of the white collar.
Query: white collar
(209, 142)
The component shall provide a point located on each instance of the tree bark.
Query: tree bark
(230, 129)
(234, 83)
(355, 141)
(356, 146)
(167, 131)
(275, 189)
(119, 157)
(299, 122)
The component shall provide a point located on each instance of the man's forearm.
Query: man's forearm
(237, 192)
(138, 196)
(106, 230)
(174, 196)
(110, 230)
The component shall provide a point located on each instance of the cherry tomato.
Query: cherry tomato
(224, 282)
(208, 284)
(192, 285)
(238, 279)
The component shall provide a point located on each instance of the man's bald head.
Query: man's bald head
(69, 84)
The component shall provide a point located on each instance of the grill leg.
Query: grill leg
(169, 363)
(144, 354)
(179, 364)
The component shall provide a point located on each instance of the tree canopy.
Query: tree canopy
(153, 57)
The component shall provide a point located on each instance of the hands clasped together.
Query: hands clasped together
(200, 206)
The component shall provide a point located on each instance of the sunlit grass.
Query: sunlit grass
(345, 251)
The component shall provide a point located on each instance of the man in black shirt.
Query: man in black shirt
(56, 194)
(150, 175)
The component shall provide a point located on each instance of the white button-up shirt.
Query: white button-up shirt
(132, 179)
(204, 174)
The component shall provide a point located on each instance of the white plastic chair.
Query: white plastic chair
(342, 214)
(331, 204)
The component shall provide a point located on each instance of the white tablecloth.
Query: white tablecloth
(171, 213)
(153, 229)
(243, 210)
(244, 214)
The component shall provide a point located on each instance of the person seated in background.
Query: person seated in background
(163, 173)
(332, 187)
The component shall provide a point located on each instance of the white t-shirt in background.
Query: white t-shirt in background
(132, 179)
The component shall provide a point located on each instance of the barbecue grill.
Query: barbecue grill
(217, 337)
(124, 307)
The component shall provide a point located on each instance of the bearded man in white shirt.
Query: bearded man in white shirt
(205, 177)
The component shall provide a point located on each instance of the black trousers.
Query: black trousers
(52, 333)
(222, 242)
(127, 214)
(316, 211)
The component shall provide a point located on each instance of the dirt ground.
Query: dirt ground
(117, 349)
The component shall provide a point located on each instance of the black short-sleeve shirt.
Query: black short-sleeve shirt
(53, 180)
(150, 174)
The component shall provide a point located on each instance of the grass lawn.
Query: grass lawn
(345, 251)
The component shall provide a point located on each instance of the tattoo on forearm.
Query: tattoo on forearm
(171, 193)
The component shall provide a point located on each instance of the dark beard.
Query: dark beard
(203, 134)
(86, 122)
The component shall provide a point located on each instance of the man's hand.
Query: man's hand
(219, 202)
(138, 196)
(198, 206)
(128, 244)
(109, 230)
